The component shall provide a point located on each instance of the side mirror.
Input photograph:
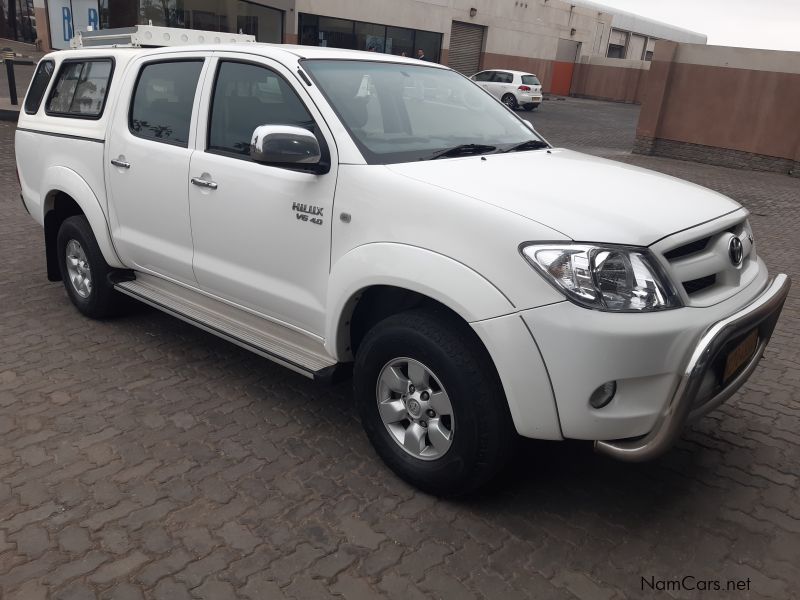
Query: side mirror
(529, 125)
(284, 145)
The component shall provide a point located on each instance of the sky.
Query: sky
(772, 24)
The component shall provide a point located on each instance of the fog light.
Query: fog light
(603, 394)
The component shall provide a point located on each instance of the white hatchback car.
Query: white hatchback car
(514, 88)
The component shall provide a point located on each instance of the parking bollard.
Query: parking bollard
(8, 58)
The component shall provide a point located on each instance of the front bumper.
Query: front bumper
(693, 397)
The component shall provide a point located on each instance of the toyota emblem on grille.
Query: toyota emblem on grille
(735, 251)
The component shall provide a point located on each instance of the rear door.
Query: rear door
(501, 83)
(147, 164)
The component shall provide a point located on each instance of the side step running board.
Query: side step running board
(275, 342)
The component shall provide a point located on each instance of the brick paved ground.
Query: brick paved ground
(141, 457)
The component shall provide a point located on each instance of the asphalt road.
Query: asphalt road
(141, 457)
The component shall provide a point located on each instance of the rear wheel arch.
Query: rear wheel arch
(67, 195)
(58, 207)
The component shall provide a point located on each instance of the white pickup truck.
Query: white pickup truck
(339, 211)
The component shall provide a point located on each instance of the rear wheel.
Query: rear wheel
(510, 101)
(84, 270)
(431, 402)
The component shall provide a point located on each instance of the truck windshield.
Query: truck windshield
(398, 112)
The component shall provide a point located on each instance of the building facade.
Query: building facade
(545, 37)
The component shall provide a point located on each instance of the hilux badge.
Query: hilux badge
(302, 212)
(735, 251)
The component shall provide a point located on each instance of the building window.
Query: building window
(400, 40)
(616, 51)
(430, 43)
(17, 20)
(370, 37)
(315, 30)
(618, 44)
(651, 46)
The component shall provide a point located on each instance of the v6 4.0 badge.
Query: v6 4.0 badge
(308, 213)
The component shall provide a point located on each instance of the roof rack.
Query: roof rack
(144, 36)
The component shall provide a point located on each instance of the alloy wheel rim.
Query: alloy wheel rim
(80, 274)
(415, 408)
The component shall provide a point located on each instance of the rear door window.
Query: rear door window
(44, 72)
(161, 108)
(80, 89)
(530, 80)
(500, 77)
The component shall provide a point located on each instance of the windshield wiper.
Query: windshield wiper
(463, 150)
(528, 145)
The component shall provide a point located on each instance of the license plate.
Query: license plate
(740, 355)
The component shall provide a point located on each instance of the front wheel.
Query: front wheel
(431, 402)
(510, 101)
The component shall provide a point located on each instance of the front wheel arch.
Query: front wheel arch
(414, 272)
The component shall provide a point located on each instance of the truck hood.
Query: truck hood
(586, 198)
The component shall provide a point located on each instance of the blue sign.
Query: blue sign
(66, 20)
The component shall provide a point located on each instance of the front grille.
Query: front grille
(696, 285)
(702, 268)
(687, 249)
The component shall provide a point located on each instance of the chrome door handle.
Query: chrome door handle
(212, 185)
(118, 162)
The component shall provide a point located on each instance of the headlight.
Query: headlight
(611, 278)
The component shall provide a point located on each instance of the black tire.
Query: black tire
(483, 435)
(102, 300)
(510, 101)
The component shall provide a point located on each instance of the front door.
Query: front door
(147, 166)
(262, 233)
